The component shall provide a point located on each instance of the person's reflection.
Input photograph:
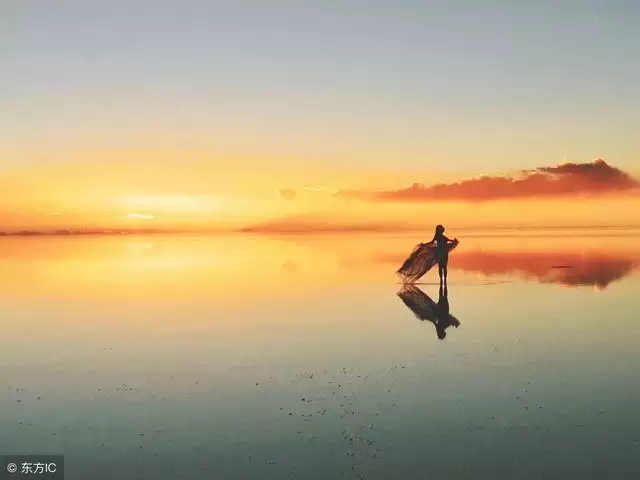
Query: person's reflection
(424, 308)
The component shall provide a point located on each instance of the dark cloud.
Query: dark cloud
(566, 180)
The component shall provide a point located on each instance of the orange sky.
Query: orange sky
(198, 194)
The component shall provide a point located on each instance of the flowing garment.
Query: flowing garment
(422, 259)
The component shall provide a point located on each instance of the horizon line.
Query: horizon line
(335, 230)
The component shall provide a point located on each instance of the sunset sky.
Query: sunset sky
(304, 115)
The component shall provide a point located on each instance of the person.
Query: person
(442, 252)
(425, 256)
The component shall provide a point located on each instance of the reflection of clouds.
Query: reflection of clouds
(598, 272)
(564, 268)
(577, 269)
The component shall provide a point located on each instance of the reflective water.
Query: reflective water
(301, 357)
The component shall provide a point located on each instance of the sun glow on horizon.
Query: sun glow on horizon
(140, 216)
(207, 197)
(175, 203)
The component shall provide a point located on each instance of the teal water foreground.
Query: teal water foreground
(256, 358)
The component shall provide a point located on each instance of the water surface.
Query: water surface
(170, 357)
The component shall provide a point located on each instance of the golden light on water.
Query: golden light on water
(222, 266)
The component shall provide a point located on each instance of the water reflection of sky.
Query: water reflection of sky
(190, 267)
(295, 358)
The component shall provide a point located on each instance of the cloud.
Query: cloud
(566, 180)
(140, 216)
(314, 188)
(291, 194)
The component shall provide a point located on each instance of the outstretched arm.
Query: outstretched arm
(455, 240)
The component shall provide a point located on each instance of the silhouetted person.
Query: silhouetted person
(442, 252)
(425, 256)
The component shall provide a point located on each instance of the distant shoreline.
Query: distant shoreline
(329, 230)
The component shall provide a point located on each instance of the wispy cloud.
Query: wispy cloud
(140, 216)
(565, 180)
(291, 194)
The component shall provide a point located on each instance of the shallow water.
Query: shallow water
(294, 357)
